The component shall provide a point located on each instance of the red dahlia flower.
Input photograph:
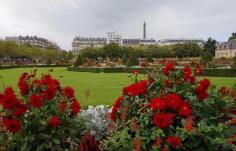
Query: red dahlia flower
(54, 121)
(68, 92)
(198, 69)
(136, 88)
(173, 101)
(201, 93)
(168, 83)
(174, 141)
(20, 110)
(157, 104)
(75, 107)
(185, 109)
(205, 83)
(115, 108)
(163, 120)
(50, 92)
(22, 84)
(11, 125)
(168, 68)
(36, 100)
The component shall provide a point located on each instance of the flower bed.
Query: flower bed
(171, 110)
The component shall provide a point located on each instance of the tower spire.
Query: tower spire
(144, 30)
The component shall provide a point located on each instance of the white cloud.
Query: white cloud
(61, 20)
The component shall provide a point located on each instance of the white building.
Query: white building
(33, 41)
(113, 37)
(83, 42)
(226, 49)
(179, 41)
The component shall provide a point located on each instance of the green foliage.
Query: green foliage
(79, 61)
(187, 50)
(49, 61)
(206, 58)
(124, 58)
(210, 47)
(234, 64)
(9, 49)
(233, 36)
(132, 61)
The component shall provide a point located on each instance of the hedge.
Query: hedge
(206, 72)
(30, 66)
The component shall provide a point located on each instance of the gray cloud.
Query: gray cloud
(61, 20)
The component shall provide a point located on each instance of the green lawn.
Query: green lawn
(103, 87)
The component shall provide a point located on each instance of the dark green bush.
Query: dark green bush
(206, 72)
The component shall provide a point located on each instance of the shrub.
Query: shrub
(132, 61)
(43, 117)
(79, 61)
(234, 64)
(172, 110)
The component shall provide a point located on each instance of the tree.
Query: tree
(210, 46)
(233, 36)
(124, 58)
(206, 58)
(234, 63)
(132, 61)
(79, 61)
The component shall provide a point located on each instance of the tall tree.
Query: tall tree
(210, 46)
(233, 36)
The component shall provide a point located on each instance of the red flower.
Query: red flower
(168, 68)
(136, 88)
(185, 109)
(163, 120)
(62, 106)
(20, 110)
(89, 143)
(158, 104)
(8, 100)
(158, 143)
(12, 125)
(75, 107)
(198, 69)
(135, 72)
(174, 141)
(173, 101)
(201, 93)
(223, 90)
(68, 92)
(54, 121)
(115, 108)
(188, 76)
(205, 83)
(50, 92)
(36, 100)
(22, 84)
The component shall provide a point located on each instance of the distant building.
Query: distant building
(147, 42)
(113, 37)
(226, 49)
(130, 42)
(179, 41)
(83, 42)
(33, 41)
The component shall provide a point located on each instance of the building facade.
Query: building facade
(179, 41)
(83, 42)
(226, 49)
(33, 41)
(113, 37)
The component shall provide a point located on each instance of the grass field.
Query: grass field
(103, 87)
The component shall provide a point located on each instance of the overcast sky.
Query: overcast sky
(62, 20)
